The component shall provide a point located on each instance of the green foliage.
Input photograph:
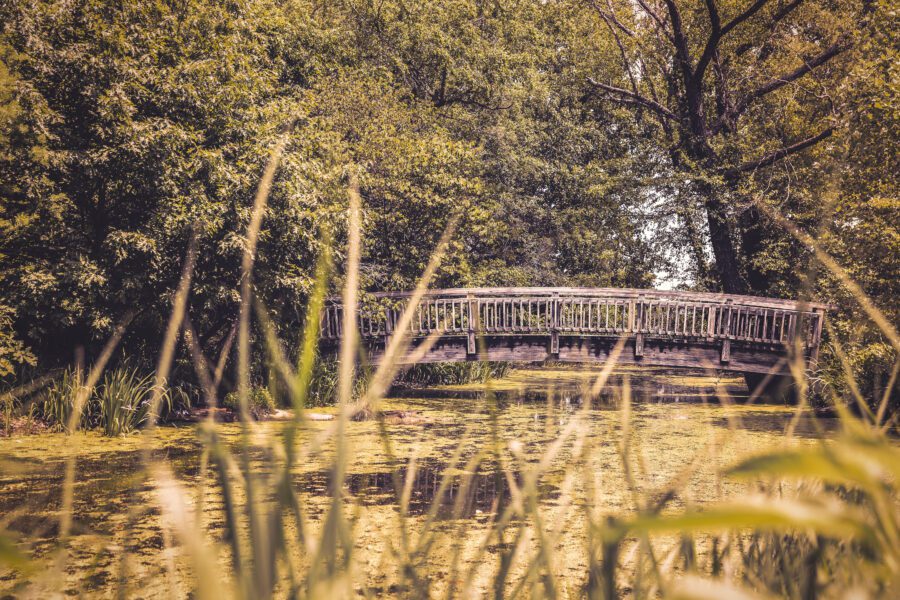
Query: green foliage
(863, 232)
(180, 399)
(126, 127)
(323, 382)
(124, 401)
(139, 123)
(259, 402)
(13, 352)
(9, 406)
(119, 405)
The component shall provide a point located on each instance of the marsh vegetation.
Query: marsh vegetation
(487, 484)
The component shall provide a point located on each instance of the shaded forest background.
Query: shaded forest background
(603, 143)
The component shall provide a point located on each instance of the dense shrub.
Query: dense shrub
(454, 373)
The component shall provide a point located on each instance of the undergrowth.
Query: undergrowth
(120, 404)
(453, 373)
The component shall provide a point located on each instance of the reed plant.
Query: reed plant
(454, 373)
(57, 404)
(119, 404)
(259, 401)
(123, 400)
(323, 382)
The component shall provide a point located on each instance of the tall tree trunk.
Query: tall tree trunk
(727, 263)
(751, 232)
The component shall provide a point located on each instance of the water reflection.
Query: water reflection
(464, 495)
(688, 386)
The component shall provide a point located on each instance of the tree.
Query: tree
(710, 77)
(138, 125)
(131, 127)
(556, 203)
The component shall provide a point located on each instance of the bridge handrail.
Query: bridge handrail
(589, 312)
(606, 292)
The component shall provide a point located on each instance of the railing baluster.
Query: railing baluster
(696, 325)
(554, 325)
(665, 329)
(639, 326)
(817, 337)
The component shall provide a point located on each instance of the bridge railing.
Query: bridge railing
(588, 312)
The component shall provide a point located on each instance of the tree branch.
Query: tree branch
(715, 34)
(680, 41)
(724, 106)
(778, 82)
(610, 17)
(659, 22)
(754, 8)
(612, 22)
(777, 155)
(777, 18)
(718, 31)
(788, 8)
(628, 97)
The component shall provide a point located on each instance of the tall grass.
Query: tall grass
(822, 521)
(120, 404)
(124, 401)
(322, 383)
(259, 402)
(57, 405)
(454, 373)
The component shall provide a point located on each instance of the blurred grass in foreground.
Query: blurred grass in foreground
(823, 521)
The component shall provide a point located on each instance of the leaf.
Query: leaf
(691, 587)
(802, 463)
(763, 513)
(865, 464)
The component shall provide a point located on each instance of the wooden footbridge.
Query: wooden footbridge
(662, 328)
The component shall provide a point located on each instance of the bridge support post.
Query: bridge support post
(726, 342)
(471, 349)
(638, 319)
(388, 327)
(816, 338)
(554, 326)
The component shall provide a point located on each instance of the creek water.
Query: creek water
(675, 429)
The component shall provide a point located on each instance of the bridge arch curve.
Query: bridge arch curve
(582, 325)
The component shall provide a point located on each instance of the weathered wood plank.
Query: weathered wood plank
(657, 353)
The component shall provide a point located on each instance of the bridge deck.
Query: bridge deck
(663, 328)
